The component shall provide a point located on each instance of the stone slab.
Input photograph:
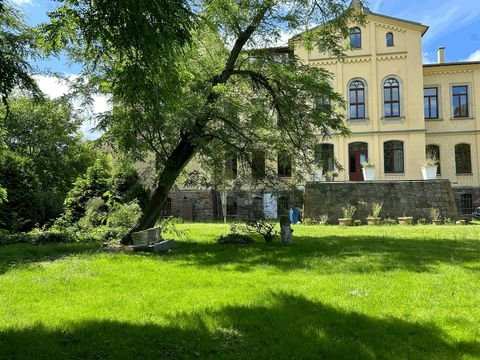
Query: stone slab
(149, 236)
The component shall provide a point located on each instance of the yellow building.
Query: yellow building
(399, 110)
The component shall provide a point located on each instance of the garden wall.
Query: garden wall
(399, 198)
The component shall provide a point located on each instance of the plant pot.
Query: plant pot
(429, 172)
(405, 220)
(328, 178)
(437, 222)
(373, 220)
(345, 222)
(369, 173)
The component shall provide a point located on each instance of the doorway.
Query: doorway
(357, 155)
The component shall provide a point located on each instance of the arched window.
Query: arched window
(389, 39)
(356, 38)
(393, 157)
(391, 97)
(433, 152)
(324, 157)
(463, 160)
(356, 97)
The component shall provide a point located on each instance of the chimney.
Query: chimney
(441, 55)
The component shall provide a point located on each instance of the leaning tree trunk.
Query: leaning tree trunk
(187, 146)
(173, 166)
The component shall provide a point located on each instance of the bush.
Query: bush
(262, 227)
(21, 211)
(95, 183)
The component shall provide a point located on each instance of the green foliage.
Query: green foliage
(123, 215)
(94, 184)
(348, 211)
(3, 195)
(48, 133)
(17, 175)
(127, 185)
(170, 227)
(189, 88)
(45, 134)
(17, 47)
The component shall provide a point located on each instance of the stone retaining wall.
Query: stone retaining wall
(399, 198)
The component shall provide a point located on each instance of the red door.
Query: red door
(357, 155)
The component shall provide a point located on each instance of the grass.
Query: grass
(391, 292)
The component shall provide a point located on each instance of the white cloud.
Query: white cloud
(54, 87)
(475, 56)
(428, 58)
(20, 2)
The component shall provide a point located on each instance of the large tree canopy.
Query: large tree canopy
(185, 78)
(16, 48)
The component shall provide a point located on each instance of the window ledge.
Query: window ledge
(433, 119)
(464, 174)
(356, 122)
(394, 174)
(393, 120)
(462, 118)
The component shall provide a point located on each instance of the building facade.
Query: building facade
(399, 110)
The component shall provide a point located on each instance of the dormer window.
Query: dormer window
(356, 38)
(389, 39)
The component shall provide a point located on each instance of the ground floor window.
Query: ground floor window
(466, 204)
(393, 157)
(324, 157)
(463, 160)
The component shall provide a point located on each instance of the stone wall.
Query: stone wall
(192, 205)
(399, 198)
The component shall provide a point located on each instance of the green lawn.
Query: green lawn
(391, 292)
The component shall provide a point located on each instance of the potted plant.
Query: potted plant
(429, 168)
(373, 218)
(331, 175)
(347, 212)
(435, 215)
(368, 169)
(405, 220)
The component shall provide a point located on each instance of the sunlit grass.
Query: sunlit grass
(391, 292)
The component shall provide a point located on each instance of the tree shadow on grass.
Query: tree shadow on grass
(333, 254)
(287, 327)
(23, 255)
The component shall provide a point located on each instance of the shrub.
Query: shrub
(348, 211)
(435, 214)
(376, 209)
(95, 183)
(262, 227)
(20, 211)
